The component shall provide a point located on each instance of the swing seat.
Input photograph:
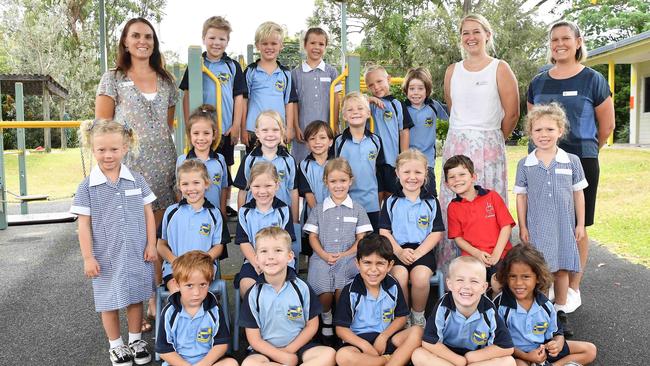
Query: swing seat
(40, 218)
(32, 197)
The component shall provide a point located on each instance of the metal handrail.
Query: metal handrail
(39, 124)
(217, 86)
(343, 75)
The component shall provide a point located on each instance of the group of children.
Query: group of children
(374, 176)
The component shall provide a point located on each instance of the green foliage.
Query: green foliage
(621, 101)
(442, 127)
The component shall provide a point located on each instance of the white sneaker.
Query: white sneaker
(573, 300)
(121, 356)
(551, 293)
(419, 321)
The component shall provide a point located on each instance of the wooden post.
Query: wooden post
(611, 76)
(22, 149)
(64, 137)
(47, 132)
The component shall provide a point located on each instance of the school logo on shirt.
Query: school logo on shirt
(387, 315)
(281, 174)
(216, 179)
(223, 77)
(294, 312)
(479, 338)
(205, 229)
(280, 85)
(540, 327)
(428, 122)
(388, 115)
(423, 221)
(372, 155)
(204, 335)
(489, 210)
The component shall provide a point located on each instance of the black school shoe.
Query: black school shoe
(121, 356)
(231, 212)
(141, 355)
(564, 321)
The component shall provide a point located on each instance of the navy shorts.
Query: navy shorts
(227, 149)
(370, 337)
(301, 351)
(374, 221)
(563, 353)
(428, 260)
(591, 168)
(430, 187)
(389, 182)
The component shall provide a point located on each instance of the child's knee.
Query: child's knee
(227, 362)
(420, 278)
(420, 355)
(343, 356)
(324, 355)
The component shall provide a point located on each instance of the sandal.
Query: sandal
(146, 326)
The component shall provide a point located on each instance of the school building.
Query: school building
(636, 52)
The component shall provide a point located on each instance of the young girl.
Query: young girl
(530, 316)
(550, 201)
(263, 210)
(319, 137)
(412, 222)
(193, 223)
(269, 130)
(424, 113)
(117, 236)
(335, 226)
(201, 131)
(312, 80)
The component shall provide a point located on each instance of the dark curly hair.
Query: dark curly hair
(526, 254)
(377, 244)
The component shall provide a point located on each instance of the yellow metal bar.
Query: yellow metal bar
(39, 124)
(217, 85)
(611, 76)
(339, 79)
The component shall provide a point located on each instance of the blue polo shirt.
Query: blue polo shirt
(267, 91)
(252, 220)
(284, 164)
(192, 337)
(365, 157)
(578, 95)
(423, 133)
(528, 328)
(310, 179)
(411, 222)
(232, 81)
(185, 229)
(280, 316)
(217, 172)
(483, 328)
(388, 124)
(363, 313)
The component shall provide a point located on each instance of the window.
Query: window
(646, 95)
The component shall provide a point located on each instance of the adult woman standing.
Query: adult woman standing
(586, 99)
(482, 94)
(141, 93)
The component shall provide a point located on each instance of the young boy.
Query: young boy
(269, 84)
(312, 80)
(216, 35)
(280, 312)
(193, 330)
(371, 312)
(390, 123)
(464, 327)
(478, 219)
(364, 151)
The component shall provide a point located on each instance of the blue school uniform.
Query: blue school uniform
(423, 133)
(411, 222)
(365, 314)
(185, 229)
(232, 82)
(528, 328)
(310, 179)
(481, 329)
(366, 158)
(280, 316)
(388, 124)
(217, 172)
(192, 337)
(267, 91)
(119, 238)
(284, 164)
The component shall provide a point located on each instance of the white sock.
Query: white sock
(559, 307)
(417, 314)
(116, 342)
(327, 320)
(134, 337)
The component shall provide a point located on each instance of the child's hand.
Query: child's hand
(483, 257)
(91, 267)
(406, 256)
(244, 137)
(376, 101)
(369, 348)
(289, 134)
(234, 135)
(380, 343)
(150, 253)
(331, 258)
(524, 235)
(299, 135)
(538, 355)
(492, 260)
(580, 232)
(288, 359)
(554, 347)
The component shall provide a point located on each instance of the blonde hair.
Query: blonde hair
(373, 68)
(260, 168)
(88, 130)
(267, 30)
(581, 53)
(489, 45)
(356, 96)
(192, 165)
(413, 154)
(338, 164)
(216, 22)
(418, 73)
(207, 112)
(551, 111)
(465, 260)
(275, 233)
(193, 261)
(274, 115)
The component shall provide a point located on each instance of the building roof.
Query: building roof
(32, 84)
(626, 51)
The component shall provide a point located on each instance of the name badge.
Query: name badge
(350, 219)
(127, 83)
(563, 171)
(326, 80)
(481, 83)
(570, 93)
(132, 192)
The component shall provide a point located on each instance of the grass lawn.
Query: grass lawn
(622, 209)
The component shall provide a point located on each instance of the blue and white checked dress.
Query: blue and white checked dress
(119, 236)
(551, 210)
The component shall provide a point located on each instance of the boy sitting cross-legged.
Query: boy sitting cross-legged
(193, 331)
(371, 312)
(280, 312)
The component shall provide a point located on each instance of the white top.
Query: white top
(150, 96)
(475, 98)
